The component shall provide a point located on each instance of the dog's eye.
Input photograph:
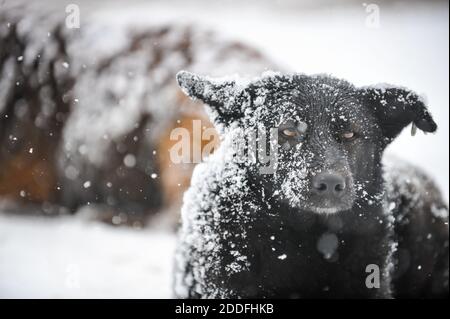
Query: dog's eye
(348, 136)
(290, 132)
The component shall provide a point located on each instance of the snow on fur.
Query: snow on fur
(232, 221)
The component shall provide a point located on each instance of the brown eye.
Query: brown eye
(348, 135)
(289, 132)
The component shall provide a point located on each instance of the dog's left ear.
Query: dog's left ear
(395, 108)
(222, 97)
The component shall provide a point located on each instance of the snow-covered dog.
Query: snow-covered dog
(328, 221)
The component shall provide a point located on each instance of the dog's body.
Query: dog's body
(324, 220)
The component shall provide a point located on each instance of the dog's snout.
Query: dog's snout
(329, 184)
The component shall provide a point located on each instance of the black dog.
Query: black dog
(322, 224)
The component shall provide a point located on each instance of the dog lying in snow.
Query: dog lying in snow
(329, 221)
(56, 81)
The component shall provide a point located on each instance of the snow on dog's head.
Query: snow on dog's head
(329, 134)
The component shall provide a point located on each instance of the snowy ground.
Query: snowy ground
(72, 258)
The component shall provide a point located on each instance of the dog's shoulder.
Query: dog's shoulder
(410, 190)
(216, 212)
(421, 231)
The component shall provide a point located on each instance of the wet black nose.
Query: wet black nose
(329, 184)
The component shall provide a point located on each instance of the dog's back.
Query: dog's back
(421, 230)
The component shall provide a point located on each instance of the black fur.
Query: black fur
(248, 235)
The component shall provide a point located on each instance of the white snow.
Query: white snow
(72, 258)
(129, 160)
(87, 184)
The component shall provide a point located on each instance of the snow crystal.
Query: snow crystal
(82, 149)
(116, 220)
(441, 212)
(71, 172)
(87, 184)
(129, 160)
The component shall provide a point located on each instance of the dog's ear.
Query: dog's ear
(395, 108)
(222, 96)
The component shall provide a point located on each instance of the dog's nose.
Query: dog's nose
(329, 184)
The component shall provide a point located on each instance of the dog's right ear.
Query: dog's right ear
(395, 108)
(222, 96)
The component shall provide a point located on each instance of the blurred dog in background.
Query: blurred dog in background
(85, 122)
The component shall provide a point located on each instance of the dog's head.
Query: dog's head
(329, 134)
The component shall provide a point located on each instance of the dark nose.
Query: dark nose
(329, 184)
